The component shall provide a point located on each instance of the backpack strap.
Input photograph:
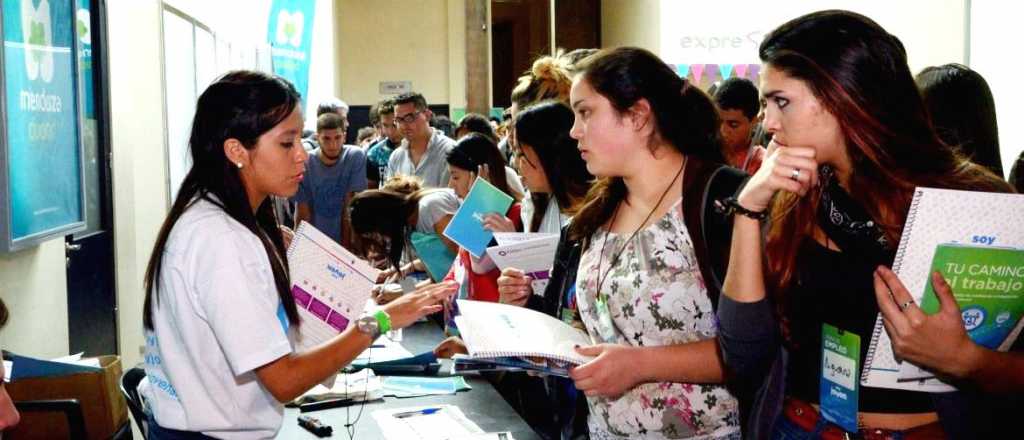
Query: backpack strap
(703, 183)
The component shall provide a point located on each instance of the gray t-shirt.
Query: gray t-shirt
(433, 166)
(433, 206)
(324, 188)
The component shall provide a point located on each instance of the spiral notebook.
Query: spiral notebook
(940, 220)
(494, 331)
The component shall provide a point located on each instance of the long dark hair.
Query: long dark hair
(684, 117)
(474, 150)
(240, 105)
(544, 128)
(961, 107)
(386, 214)
(859, 73)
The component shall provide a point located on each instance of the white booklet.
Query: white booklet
(330, 285)
(534, 256)
(940, 220)
(494, 330)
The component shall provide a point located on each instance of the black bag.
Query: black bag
(710, 230)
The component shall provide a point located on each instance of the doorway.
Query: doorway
(92, 299)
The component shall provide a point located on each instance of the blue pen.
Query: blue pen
(421, 412)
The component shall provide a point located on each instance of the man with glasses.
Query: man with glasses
(424, 149)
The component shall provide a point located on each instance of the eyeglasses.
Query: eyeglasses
(407, 119)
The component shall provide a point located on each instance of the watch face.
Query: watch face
(368, 325)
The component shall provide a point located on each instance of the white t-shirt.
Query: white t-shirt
(218, 318)
(433, 206)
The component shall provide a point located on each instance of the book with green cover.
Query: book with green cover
(988, 283)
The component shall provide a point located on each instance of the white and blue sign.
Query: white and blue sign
(43, 150)
(291, 36)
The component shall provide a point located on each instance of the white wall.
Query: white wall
(709, 33)
(632, 23)
(995, 54)
(140, 168)
(33, 285)
(400, 40)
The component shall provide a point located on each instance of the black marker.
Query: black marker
(315, 426)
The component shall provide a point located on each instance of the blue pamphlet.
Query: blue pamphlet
(466, 228)
(433, 253)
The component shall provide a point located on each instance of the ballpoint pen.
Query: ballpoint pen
(419, 412)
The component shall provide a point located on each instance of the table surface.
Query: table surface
(482, 404)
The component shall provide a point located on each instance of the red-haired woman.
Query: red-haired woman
(851, 140)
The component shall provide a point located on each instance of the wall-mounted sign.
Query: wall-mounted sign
(395, 87)
(41, 193)
(291, 36)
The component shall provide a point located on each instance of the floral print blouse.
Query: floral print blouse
(655, 296)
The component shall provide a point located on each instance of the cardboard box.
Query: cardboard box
(99, 393)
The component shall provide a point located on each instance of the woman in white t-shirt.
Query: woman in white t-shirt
(218, 304)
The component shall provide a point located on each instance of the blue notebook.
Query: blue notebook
(466, 228)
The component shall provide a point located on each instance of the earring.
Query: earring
(239, 165)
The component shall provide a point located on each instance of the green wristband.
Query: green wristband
(383, 321)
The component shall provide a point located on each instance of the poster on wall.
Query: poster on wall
(291, 36)
(41, 186)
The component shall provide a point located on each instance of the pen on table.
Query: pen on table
(377, 346)
(419, 412)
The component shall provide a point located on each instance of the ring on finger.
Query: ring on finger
(906, 304)
(795, 175)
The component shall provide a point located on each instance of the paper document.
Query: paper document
(535, 257)
(432, 422)
(466, 229)
(329, 283)
(363, 385)
(492, 330)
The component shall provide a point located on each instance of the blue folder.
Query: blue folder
(466, 228)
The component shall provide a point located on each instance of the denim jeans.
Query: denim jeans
(786, 429)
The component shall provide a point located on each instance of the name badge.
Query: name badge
(840, 386)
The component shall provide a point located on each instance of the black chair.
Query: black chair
(70, 407)
(130, 388)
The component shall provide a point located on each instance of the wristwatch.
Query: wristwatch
(374, 325)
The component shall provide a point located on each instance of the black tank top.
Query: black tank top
(835, 288)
